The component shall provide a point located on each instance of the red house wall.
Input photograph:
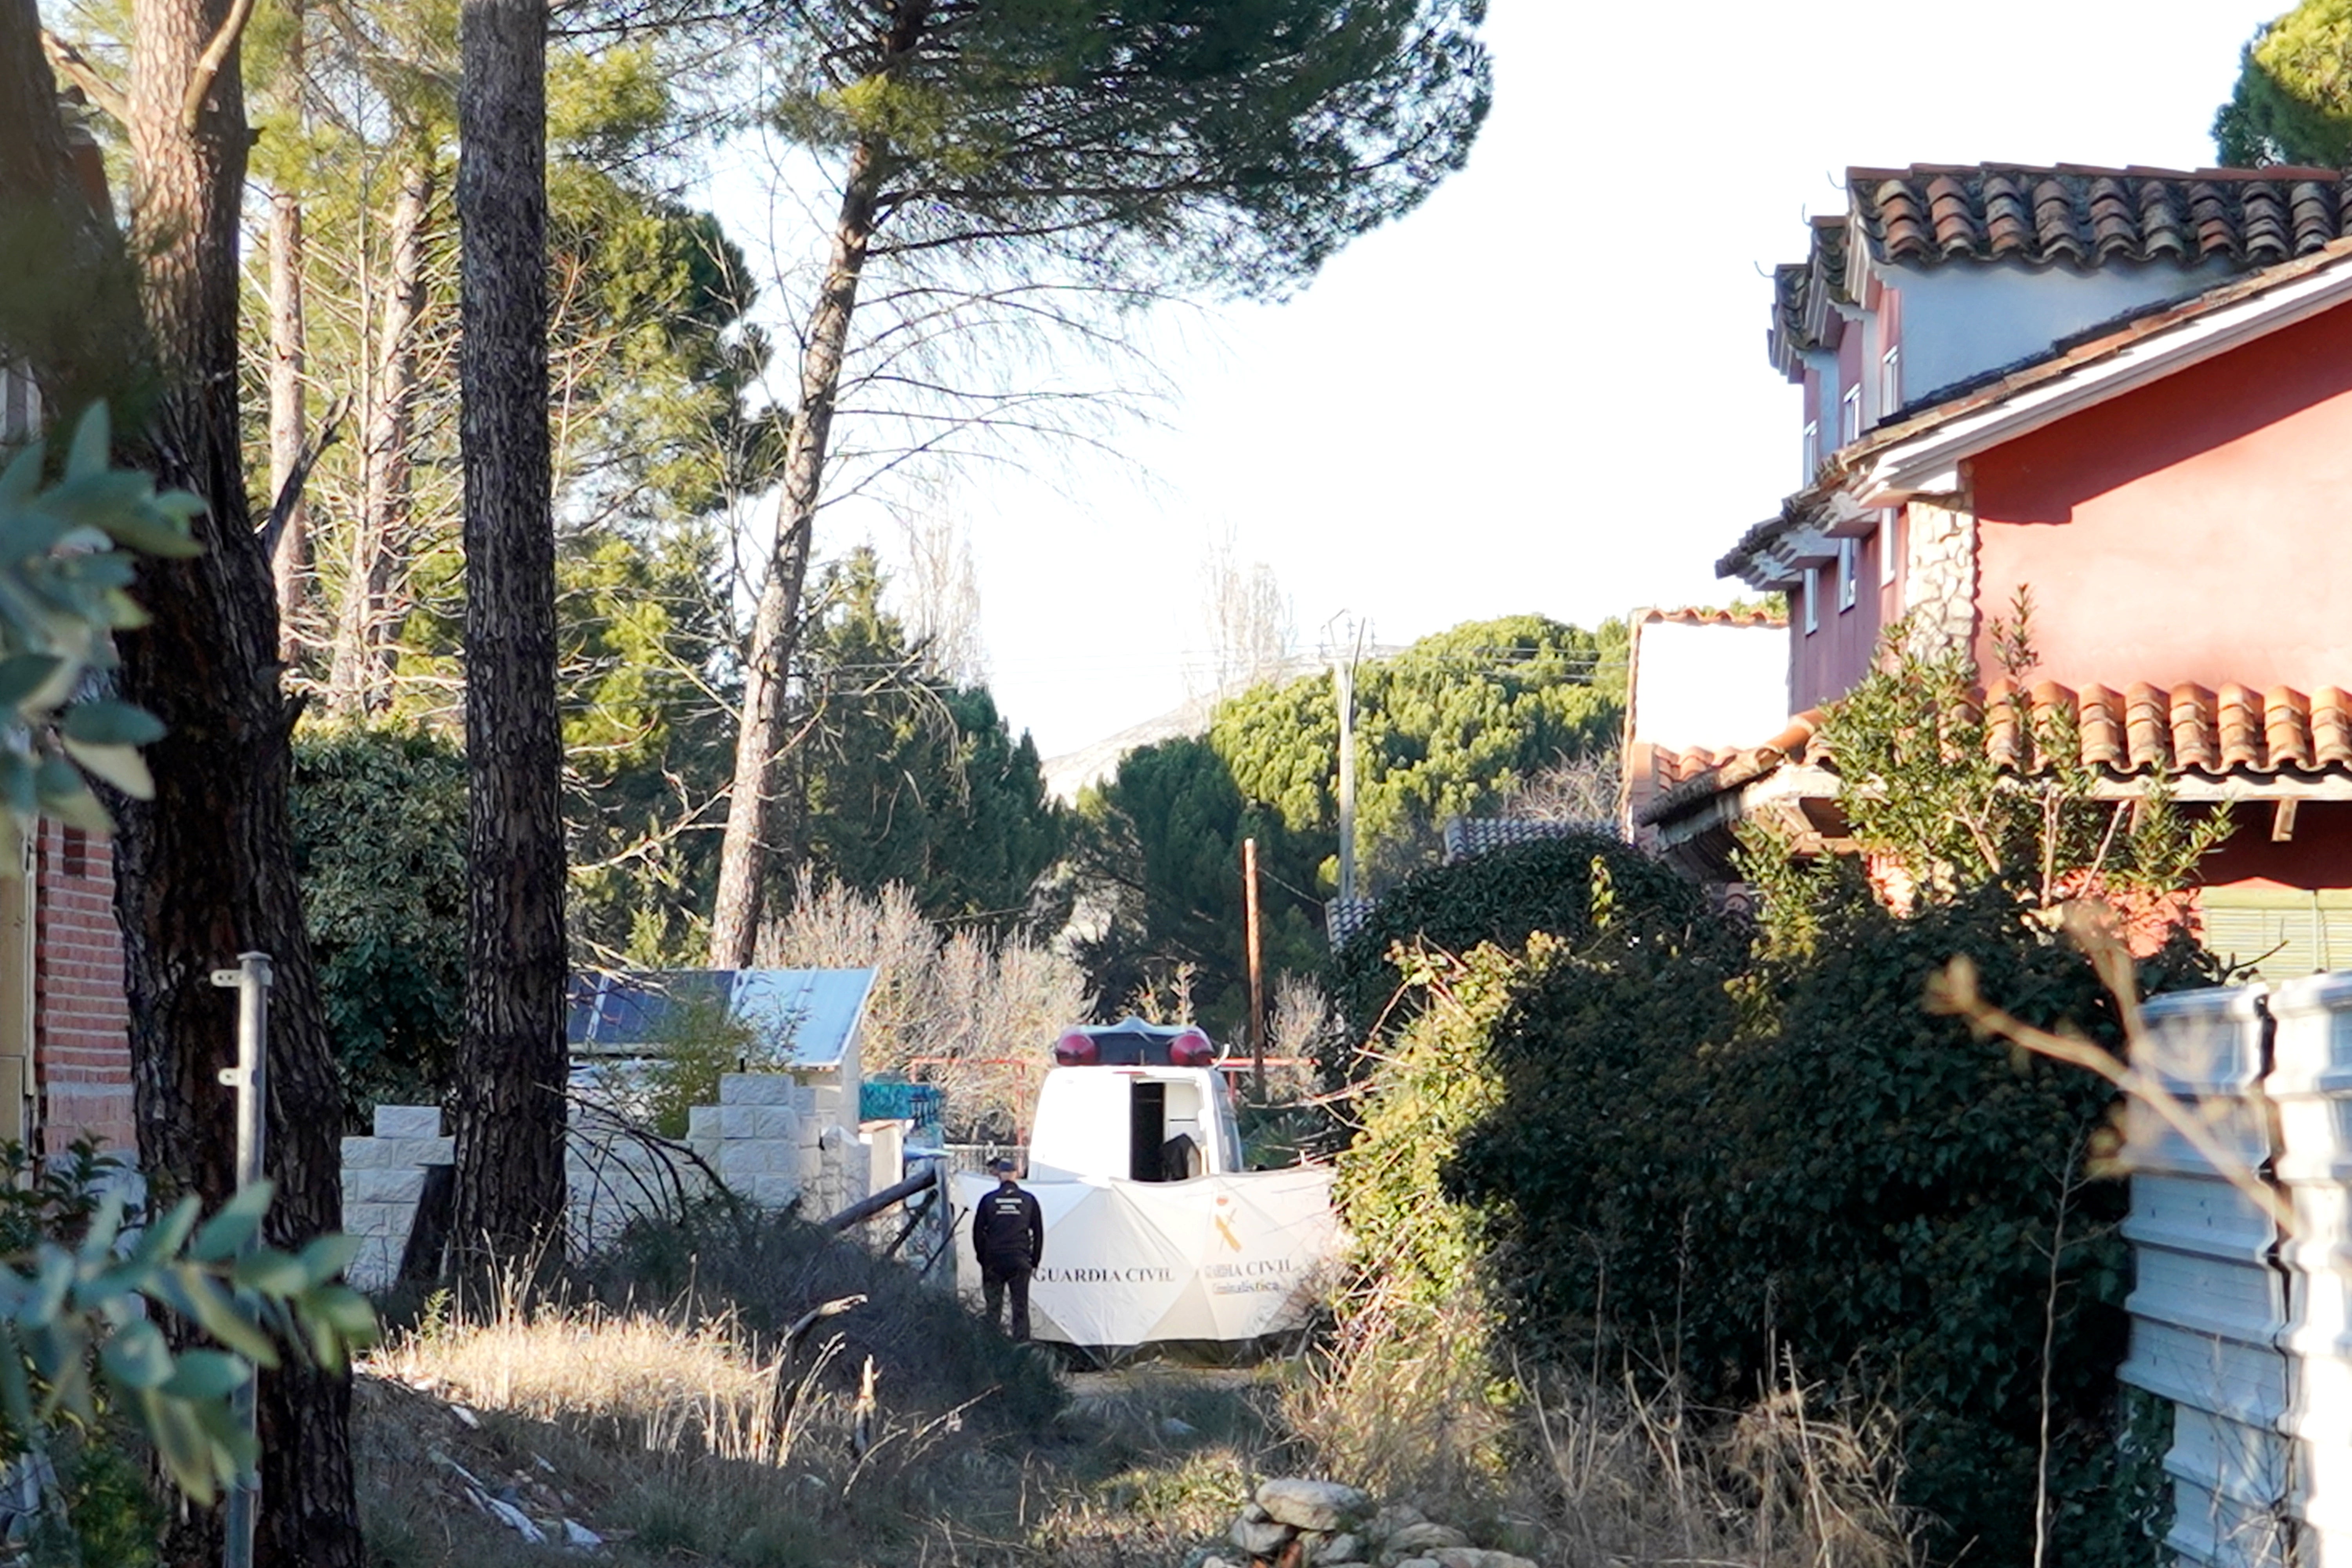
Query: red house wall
(81, 1050)
(2198, 528)
(1827, 662)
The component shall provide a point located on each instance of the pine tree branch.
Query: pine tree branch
(74, 66)
(208, 64)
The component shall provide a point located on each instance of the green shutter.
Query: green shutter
(2282, 933)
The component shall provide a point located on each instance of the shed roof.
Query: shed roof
(804, 1017)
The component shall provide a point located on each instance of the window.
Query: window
(1890, 382)
(1849, 415)
(1812, 592)
(1849, 568)
(1886, 556)
(1812, 450)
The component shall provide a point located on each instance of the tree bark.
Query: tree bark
(511, 1057)
(205, 870)
(358, 677)
(750, 840)
(289, 564)
(748, 848)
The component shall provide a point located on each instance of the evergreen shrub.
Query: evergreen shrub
(1710, 1157)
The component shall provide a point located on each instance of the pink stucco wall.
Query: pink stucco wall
(1826, 662)
(2196, 530)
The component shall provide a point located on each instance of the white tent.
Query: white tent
(1225, 1258)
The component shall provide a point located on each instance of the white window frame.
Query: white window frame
(1886, 561)
(1812, 450)
(1890, 382)
(1849, 573)
(1849, 415)
(1813, 600)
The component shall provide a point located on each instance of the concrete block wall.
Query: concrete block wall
(772, 1140)
(384, 1177)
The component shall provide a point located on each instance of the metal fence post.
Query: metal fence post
(250, 1080)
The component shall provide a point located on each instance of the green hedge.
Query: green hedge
(1706, 1158)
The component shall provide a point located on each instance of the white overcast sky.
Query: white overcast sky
(1546, 389)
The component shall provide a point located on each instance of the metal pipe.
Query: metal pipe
(251, 1080)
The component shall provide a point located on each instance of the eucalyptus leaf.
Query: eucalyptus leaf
(136, 1356)
(271, 1272)
(106, 722)
(121, 766)
(93, 440)
(22, 477)
(233, 1224)
(205, 1376)
(325, 1256)
(25, 675)
(65, 796)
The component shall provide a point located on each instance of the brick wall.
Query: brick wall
(81, 1050)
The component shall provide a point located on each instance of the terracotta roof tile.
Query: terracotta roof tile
(1929, 214)
(1752, 616)
(2145, 730)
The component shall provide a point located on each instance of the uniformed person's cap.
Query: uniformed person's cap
(1001, 1166)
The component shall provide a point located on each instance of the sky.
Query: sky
(1545, 389)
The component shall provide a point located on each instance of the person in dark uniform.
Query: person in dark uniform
(1008, 1236)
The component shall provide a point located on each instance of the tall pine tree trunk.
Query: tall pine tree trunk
(511, 1057)
(359, 675)
(205, 870)
(290, 562)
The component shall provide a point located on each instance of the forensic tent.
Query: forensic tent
(1218, 1259)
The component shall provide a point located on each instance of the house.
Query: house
(1699, 684)
(2127, 392)
(65, 1018)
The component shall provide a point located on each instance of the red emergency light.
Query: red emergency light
(1075, 1050)
(1191, 1050)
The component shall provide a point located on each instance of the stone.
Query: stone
(1418, 1562)
(1423, 1539)
(1258, 1538)
(1459, 1557)
(1392, 1519)
(1255, 1512)
(408, 1122)
(1314, 1505)
(405, 1185)
(1337, 1549)
(780, 1122)
(755, 1088)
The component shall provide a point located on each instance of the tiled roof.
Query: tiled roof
(1931, 214)
(1466, 836)
(1752, 616)
(2088, 216)
(2076, 352)
(2137, 732)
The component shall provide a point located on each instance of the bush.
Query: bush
(1702, 1165)
(1565, 886)
(379, 819)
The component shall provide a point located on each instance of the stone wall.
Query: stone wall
(1939, 580)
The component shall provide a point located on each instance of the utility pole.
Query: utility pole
(251, 980)
(1256, 971)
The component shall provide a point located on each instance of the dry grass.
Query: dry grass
(1580, 1475)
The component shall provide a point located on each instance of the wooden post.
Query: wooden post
(1256, 971)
